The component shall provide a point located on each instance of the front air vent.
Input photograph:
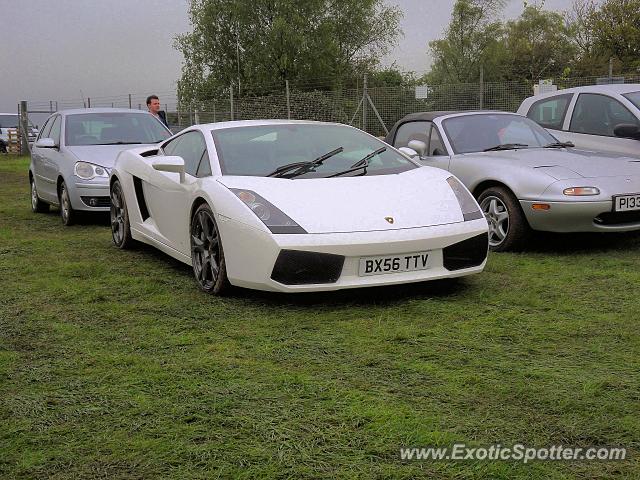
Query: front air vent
(142, 204)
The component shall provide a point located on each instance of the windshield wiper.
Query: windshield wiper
(363, 163)
(506, 146)
(298, 168)
(119, 143)
(559, 145)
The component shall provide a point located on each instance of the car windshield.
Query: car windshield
(480, 132)
(261, 150)
(8, 121)
(113, 128)
(633, 97)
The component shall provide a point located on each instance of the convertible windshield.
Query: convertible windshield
(486, 132)
(633, 97)
(262, 150)
(114, 128)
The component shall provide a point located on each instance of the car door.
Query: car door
(169, 201)
(51, 158)
(593, 120)
(37, 160)
(436, 154)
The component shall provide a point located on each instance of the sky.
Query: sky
(68, 50)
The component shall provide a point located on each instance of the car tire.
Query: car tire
(119, 215)
(508, 228)
(37, 205)
(67, 213)
(207, 255)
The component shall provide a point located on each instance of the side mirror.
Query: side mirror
(46, 143)
(173, 164)
(419, 146)
(408, 151)
(627, 130)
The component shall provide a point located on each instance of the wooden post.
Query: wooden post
(88, 102)
(129, 100)
(24, 126)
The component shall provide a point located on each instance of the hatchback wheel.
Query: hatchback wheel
(508, 229)
(37, 205)
(67, 213)
(207, 256)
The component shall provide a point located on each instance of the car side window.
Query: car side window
(597, 114)
(412, 131)
(191, 147)
(550, 112)
(55, 130)
(46, 128)
(436, 145)
(204, 168)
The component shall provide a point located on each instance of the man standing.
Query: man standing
(153, 104)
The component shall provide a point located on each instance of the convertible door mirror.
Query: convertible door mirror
(173, 164)
(627, 130)
(408, 151)
(46, 143)
(419, 146)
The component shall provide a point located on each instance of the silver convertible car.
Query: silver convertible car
(74, 152)
(523, 178)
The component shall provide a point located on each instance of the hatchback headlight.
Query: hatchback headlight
(87, 171)
(271, 216)
(468, 204)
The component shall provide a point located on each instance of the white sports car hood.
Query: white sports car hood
(103, 155)
(416, 198)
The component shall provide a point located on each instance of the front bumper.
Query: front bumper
(90, 196)
(251, 253)
(578, 216)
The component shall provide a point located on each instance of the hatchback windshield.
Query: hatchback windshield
(272, 150)
(115, 128)
(633, 97)
(476, 133)
(8, 121)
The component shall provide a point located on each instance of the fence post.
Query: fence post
(50, 106)
(213, 103)
(481, 87)
(24, 125)
(286, 83)
(231, 98)
(364, 103)
(610, 68)
(129, 100)
(56, 105)
(88, 102)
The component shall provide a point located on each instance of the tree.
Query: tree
(539, 45)
(257, 44)
(615, 28)
(471, 40)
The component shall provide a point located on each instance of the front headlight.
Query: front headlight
(581, 191)
(468, 204)
(271, 216)
(87, 171)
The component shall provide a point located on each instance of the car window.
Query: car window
(55, 130)
(550, 112)
(596, 114)
(191, 147)
(9, 121)
(259, 150)
(478, 132)
(113, 128)
(412, 131)
(204, 167)
(46, 128)
(633, 97)
(436, 146)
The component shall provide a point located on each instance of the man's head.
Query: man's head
(153, 104)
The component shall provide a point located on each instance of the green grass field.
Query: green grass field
(113, 365)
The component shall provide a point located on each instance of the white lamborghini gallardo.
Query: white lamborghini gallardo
(295, 206)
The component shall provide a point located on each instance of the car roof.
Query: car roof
(255, 123)
(615, 89)
(76, 111)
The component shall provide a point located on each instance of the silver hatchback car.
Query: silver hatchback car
(74, 152)
(604, 118)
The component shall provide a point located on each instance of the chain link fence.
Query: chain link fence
(371, 108)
